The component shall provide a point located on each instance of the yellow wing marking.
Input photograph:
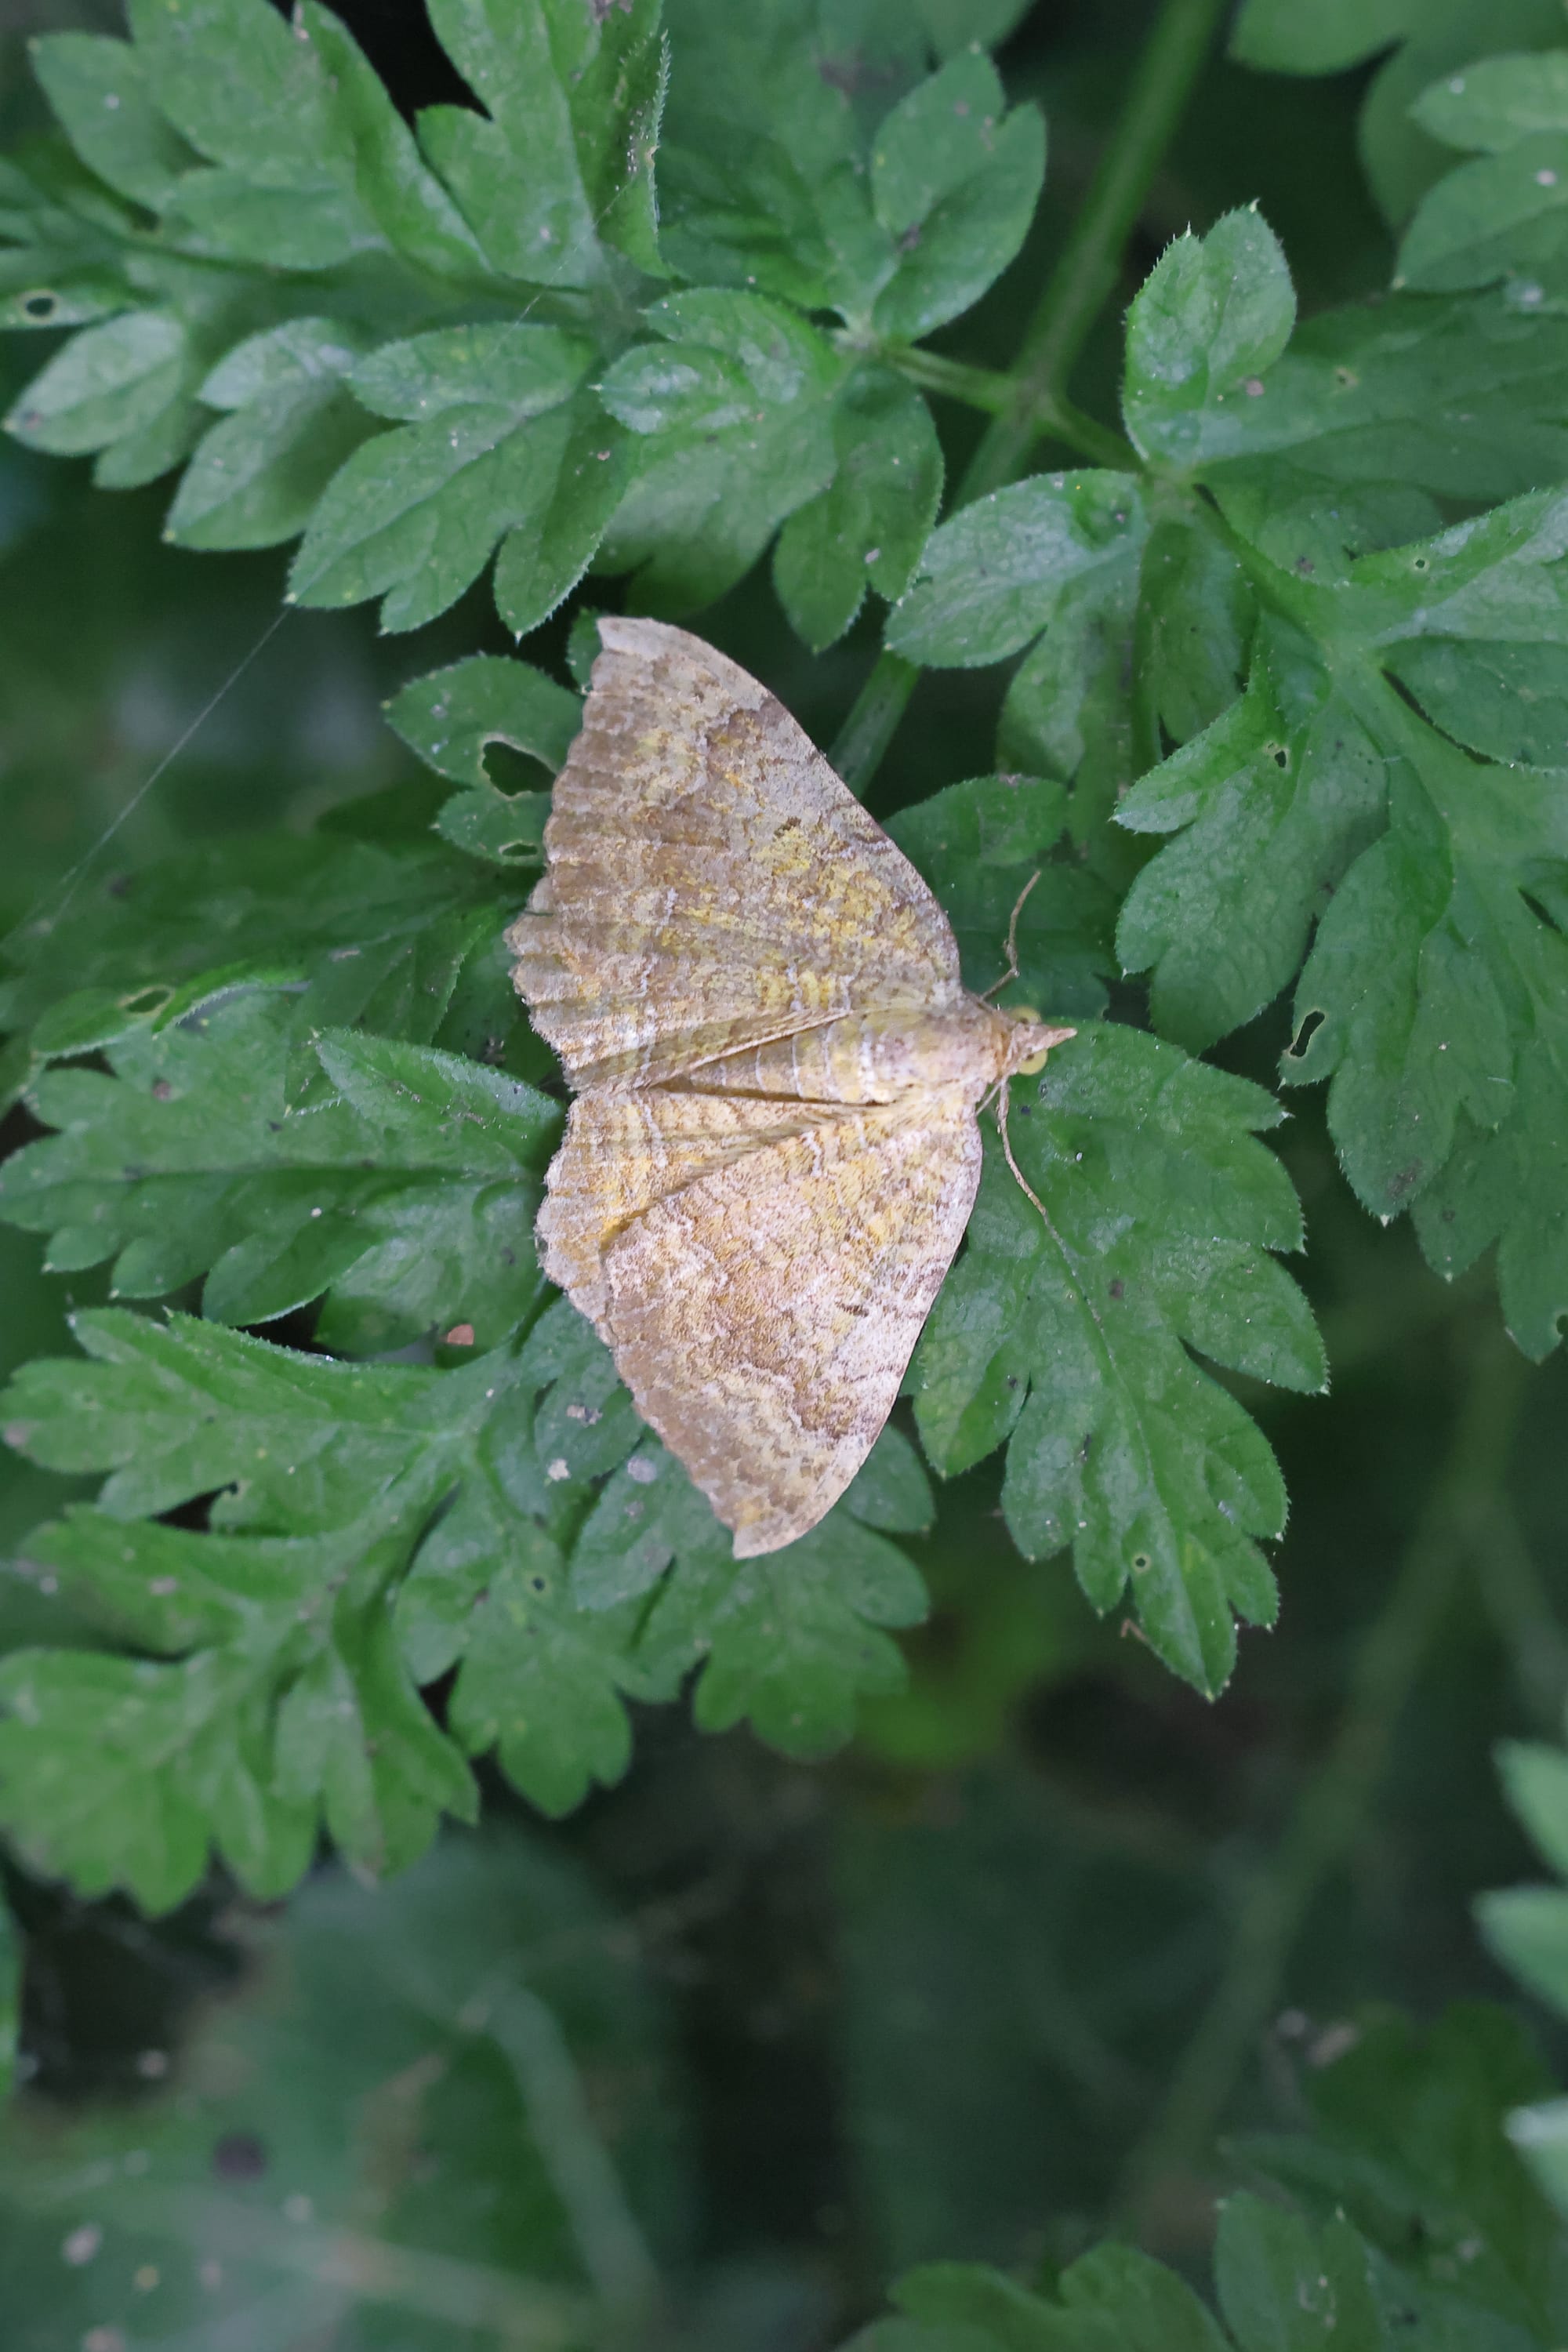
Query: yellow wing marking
(709, 882)
(762, 1314)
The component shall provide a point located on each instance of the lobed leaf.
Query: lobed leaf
(827, 172)
(1068, 1335)
(482, 2004)
(736, 406)
(404, 939)
(415, 514)
(868, 528)
(455, 1501)
(1213, 314)
(99, 89)
(562, 159)
(994, 576)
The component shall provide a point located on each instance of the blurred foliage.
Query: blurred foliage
(709, 2062)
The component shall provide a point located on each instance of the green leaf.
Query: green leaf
(255, 477)
(1400, 156)
(503, 828)
(955, 186)
(762, 168)
(404, 941)
(451, 717)
(1407, 2143)
(1433, 996)
(539, 1682)
(405, 200)
(1150, 2308)
(1197, 616)
(1540, 2133)
(473, 2009)
(1535, 1780)
(890, 1490)
(652, 1594)
(414, 515)
(98, 87)
(1211, 316)
(582, 464)
(267, 1698)
(408, 1194)
(868, 528)
(1498, 216)
(1496, 102)
(110, 382)
(785, 1643)
(736, 407)
(1317, 36)
(1272, 816)
(1458, 397)
(994, 576)
(1068, 1335)
(1285, 2287)
(1507, 701)
(459, 1496)
(1526, 1928)
(775, 143)
(332, 1478)
(980, 844)
(248, 93)
(563, 154)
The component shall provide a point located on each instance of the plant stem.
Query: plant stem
(1519, 1607)
(997, 395)
(1085, 277)
(873, 720)
(1333, 1805)
(1036, 404)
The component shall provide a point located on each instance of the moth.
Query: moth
(774, 1146)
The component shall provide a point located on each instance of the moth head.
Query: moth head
(1031, 1041)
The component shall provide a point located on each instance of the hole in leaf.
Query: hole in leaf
(143, 1001)
(1279, 753)
(1310, 1024)
(1141, 1561)
(39, 307)
(1418, 564)
(512, 771)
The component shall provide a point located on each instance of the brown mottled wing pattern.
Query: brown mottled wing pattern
(762, 1314)
(709, 883)
(627, 1148)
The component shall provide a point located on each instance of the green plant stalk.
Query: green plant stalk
(1520, 1606)
(995, 395)
(859, 746)
(1085, 275)
(1083, 279)
(1332, 1809)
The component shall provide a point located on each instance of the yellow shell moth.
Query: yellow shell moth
(774, 1147)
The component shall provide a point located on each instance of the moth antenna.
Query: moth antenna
(1012, 971)
(1003, 1103)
